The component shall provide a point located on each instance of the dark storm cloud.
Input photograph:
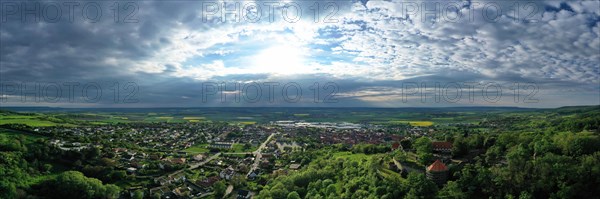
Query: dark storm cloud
(108, 52)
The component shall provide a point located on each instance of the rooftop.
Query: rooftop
(446, 145)
(437, 166)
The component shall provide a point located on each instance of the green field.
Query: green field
(413, 123)
(27, 120)
(199, 148)
(194, 118)
(7, 134)
(246, 116)
(243, 122)
(240, 148)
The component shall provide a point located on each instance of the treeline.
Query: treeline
(25, 163)
(73, 184)
(528, 157)
(561, 165)
(527, 165)
(349, 178)
(336, 178)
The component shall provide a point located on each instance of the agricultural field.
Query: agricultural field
(413, 123)
(247, 116)
(243, 122)
(194, 118)
(33, 121)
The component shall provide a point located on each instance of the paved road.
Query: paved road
(237, 153)
(228, 191)
(194, 166)
(258, 154)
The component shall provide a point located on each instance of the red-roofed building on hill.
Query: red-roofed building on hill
(442, 147)
(437, 172)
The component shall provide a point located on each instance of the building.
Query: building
(295, 166)
(442, 147)
(164, 191)
(227, 174)
(177, 160)
(222, 145)
(243, 194)
(437, 172)
(199, 157)
(208, 182)
(252, 175)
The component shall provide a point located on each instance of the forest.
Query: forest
(546, 156)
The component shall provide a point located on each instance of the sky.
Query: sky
(341, 53)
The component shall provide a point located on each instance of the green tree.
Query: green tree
(459, 147)
(279, 191)
(331, 189)
(138, 194)
(220, 189)
(423, 144)
(420, 186)
(119, 175)
(452, 190)
(238, 181)
(73, 184)
(47, 167)
(424, 150)
(7, 189)
(247, 146)
(293, 195)
(425, 158)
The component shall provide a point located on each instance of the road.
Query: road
(258, 154)
(228, 191)
(194, 166)
(238, 153)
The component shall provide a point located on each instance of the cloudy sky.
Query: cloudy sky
(340, 53)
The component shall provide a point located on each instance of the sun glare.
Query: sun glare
(280, 59)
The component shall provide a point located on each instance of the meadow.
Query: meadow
(33, 121)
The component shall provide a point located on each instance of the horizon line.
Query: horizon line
(372, 107)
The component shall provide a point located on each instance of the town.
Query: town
(218, 159)
(181, 160)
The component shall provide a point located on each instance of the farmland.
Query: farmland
(247, 116)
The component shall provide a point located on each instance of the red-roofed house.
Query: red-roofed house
(443, 147)
(437, 172)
